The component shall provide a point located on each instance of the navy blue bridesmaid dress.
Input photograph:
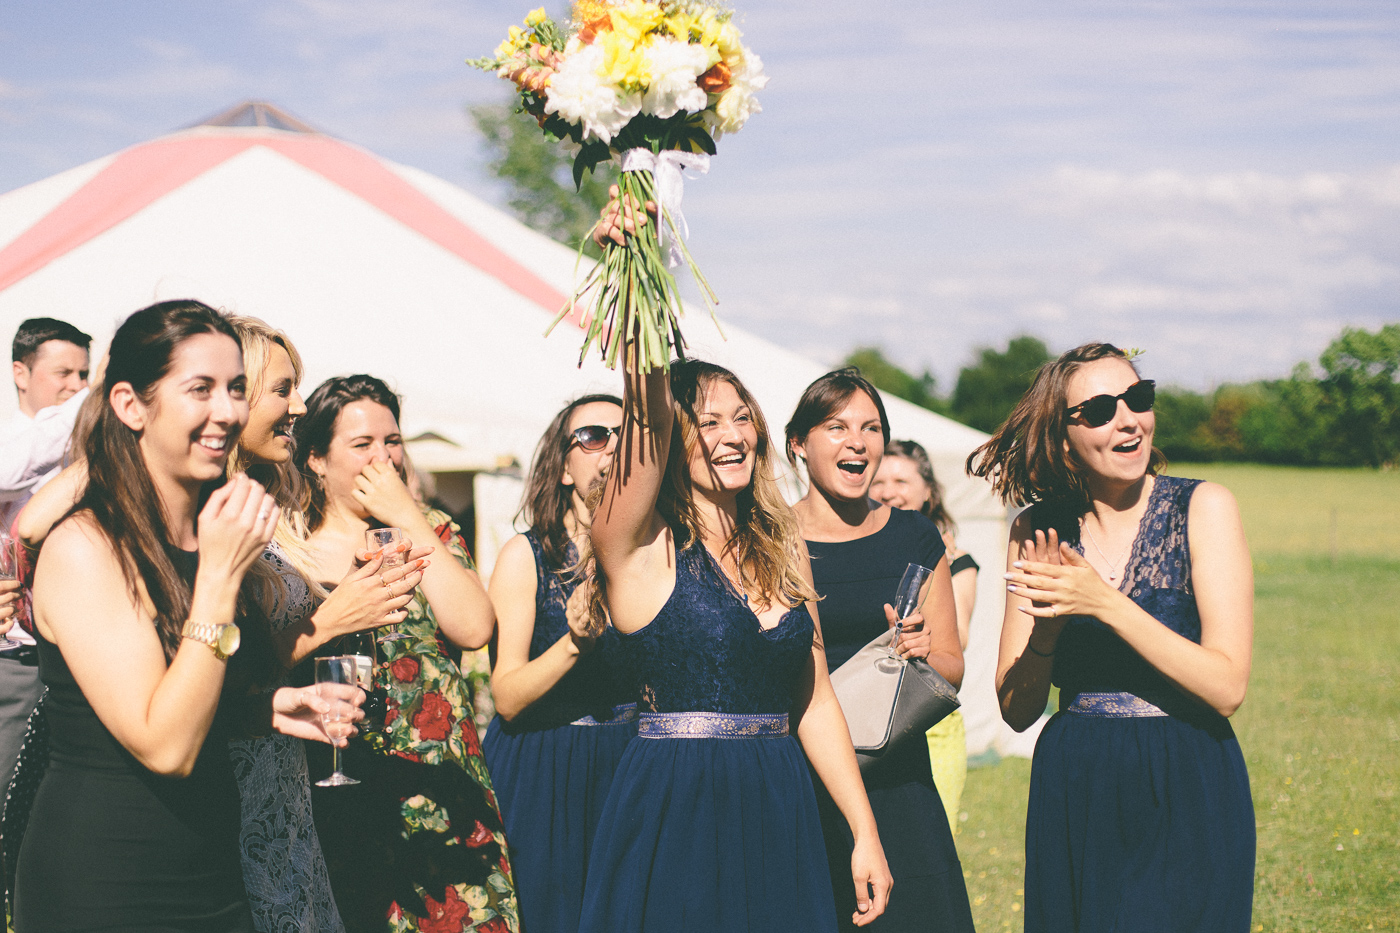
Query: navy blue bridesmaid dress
(711, 824)
(553, 764)
(1140, 816)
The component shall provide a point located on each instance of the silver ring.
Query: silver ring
(263, 514)
(1054, 613)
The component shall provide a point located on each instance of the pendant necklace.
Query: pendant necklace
(1112, 565)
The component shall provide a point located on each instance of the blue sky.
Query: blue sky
(1217, 183)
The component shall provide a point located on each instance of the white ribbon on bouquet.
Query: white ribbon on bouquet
(669, 169)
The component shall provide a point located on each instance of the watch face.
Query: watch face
(229, 638)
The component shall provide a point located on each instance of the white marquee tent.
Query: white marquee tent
(377, 267)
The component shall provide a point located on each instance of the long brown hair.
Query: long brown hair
(932, 507)
(1027, 460)
(766, 540)
(547, 500)
(120, 494)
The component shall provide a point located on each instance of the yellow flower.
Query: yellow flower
(731, 49)
(624, 63)
(636, 19)
(680, 24)
(535, 17)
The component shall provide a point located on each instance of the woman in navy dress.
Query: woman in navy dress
(562, 719)
(1133, 593)
(860, 549)
(711, 823)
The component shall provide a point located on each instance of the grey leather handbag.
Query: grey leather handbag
(889, 702)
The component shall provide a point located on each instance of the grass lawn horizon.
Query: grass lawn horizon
(1320, 727)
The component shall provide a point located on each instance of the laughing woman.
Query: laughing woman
(711, 823)
(1140, 815)
(563, 719)
(859, 550)
(418, 845)
(135, 824)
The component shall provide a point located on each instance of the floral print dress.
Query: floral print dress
(419, 844)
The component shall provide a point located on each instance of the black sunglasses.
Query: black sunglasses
(1099, 410)
(592, 437)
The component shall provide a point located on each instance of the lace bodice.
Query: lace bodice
(1089, 657)
(591, 688)
(706, 652)
(284, 868)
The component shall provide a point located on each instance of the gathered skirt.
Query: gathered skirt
(1142, 824)
(551, 785)
(707, 834)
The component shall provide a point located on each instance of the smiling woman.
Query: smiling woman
(1133, 593)
(135, 825)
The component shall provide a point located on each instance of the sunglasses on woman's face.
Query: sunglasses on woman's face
(592, 437)
(1099, 410)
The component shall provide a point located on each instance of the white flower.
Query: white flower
(674, 67)
(580, 96)
(738, 103)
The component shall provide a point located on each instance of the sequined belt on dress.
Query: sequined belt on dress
(712, 725)
(1113, 706)
(626, 712)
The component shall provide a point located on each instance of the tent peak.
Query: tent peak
(258, 113)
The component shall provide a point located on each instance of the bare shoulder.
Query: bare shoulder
(515, 557)
(1212, 502)
(78, 541)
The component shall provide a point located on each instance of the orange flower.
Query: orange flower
(717, 79)
(592, 17)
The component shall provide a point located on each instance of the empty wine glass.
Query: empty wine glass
(906, 601)
(336, 670)
(384, 543)
(9, 570)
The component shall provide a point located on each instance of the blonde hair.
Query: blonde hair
(282, 480)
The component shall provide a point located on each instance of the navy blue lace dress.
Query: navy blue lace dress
(1140, 816)
(553, 764)
(711, 824)
(855, 579)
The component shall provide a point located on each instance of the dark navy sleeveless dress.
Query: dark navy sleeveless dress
(1140, 815)
(113, 846)
(711, 824)
(553, 764)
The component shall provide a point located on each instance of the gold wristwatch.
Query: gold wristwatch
(223, 639)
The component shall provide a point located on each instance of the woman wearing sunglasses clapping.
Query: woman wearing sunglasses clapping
(562, 721)
(1133, 593)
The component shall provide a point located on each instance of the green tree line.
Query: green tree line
(1343, 411)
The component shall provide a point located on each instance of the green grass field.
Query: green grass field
(1320, 728)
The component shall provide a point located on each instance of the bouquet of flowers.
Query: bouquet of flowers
(650, 84)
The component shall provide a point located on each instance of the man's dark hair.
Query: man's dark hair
(38, 331)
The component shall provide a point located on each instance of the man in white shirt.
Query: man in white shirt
(50, 371)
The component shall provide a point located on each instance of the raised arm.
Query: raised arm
(630, 540)
(159, 713)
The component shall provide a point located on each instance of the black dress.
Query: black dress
(855, 579)
(112, 846)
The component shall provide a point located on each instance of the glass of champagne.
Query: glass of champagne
(906, 601)
(9, 570)
(337, 670)
(384, 543)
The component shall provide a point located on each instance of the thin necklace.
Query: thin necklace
(1112, 564)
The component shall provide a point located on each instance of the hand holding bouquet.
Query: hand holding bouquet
(651, 84)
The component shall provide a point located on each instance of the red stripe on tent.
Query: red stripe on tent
(132, 181)
(363, 176)
(141, 175)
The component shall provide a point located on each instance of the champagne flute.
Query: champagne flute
(9, 570)
(906, 600)
(384, 543)
(336, 670)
